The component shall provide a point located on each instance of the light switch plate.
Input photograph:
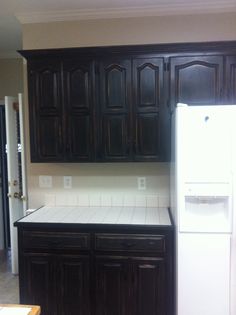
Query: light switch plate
(67, 180)
(45, 181)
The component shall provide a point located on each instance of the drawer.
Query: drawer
(127, 242)
(55, 240)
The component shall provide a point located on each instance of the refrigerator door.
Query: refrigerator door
(204, 143)
(203, 274)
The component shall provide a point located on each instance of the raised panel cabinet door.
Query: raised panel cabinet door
(149, 286)
(230, 97)
(45, 104)
(115, 138)
(149, 109)
(80, 107)
(147, 137)
(196, 80)
(148, 79)
(115, 110)
(50, 139)
(111, 285)
(73, 285)
(36, 282)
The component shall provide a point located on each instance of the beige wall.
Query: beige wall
(131, 31)
(117, 178)
(11, 77)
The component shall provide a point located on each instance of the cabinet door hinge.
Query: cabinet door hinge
(166, 66)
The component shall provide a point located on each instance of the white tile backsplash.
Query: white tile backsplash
(50, 199)
(71, 200)
(106, 200)
(129, 200)
(83, 200)
(61, 200)
(94, 200)
(140, 201)
(152, 201)
(164, 201)
(117, 200)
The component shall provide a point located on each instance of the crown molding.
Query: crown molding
(181, 8)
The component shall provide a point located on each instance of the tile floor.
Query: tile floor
(9, 287)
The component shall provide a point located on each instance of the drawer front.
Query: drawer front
(56, 240)
(137, 242)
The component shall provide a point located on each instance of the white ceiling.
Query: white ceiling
(15, 12)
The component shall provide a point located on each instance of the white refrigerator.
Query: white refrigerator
(203, 201)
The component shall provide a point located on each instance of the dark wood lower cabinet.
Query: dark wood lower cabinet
(122, 271)
(112, 290)
(130, 285)
(36, 281)
(148, 282)
(60, 283)
(74, 289)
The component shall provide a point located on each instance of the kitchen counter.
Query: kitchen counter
(99, 215)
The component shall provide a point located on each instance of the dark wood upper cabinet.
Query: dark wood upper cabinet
(196, 80)
(230, 95)
(115, 108)
(112, 104)
(79, 109)
(148, 106)
(45, 108)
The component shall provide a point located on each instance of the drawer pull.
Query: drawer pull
(128, 245)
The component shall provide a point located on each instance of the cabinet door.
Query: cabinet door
(115, 79)
(230, 80)
(148, 108)
(36, 282)
(196, 80)
(79, 105)
(45, 107)
(112, 289)
(73, 285)
(148, 286)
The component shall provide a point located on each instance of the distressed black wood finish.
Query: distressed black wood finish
(46, 113)
(79, 109)
(112, 104)
(115, 108)
(196, 80)
(92, 277)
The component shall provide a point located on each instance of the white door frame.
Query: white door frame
(15, 198)
(1, 213)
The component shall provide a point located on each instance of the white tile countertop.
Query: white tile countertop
(99, 215)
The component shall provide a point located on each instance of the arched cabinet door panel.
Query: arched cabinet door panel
(196, 80)
(115, 110)
(79, 108)
(46, 111)
(149, 106)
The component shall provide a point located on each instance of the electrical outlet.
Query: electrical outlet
(67, 182)
(45, 181)
(141, 183)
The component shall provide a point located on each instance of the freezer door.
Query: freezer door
(203, 274)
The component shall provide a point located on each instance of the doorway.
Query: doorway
(4, 211)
